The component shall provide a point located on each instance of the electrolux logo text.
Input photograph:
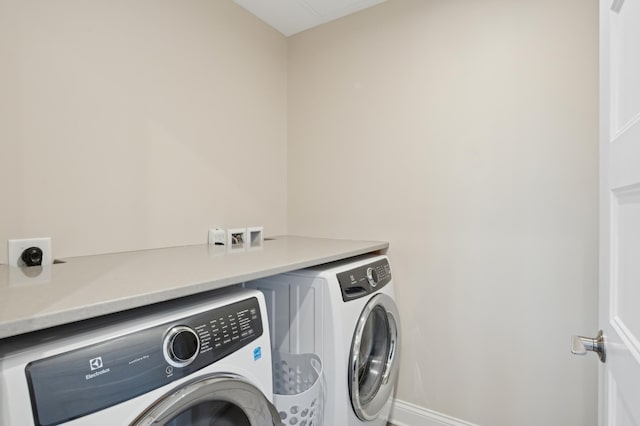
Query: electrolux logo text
(96, 364)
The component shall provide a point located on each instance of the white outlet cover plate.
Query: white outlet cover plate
(217, 236)
(16, 247)
(237, 239)
(255, 237)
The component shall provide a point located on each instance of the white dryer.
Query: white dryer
(346, 313)
(202, 360)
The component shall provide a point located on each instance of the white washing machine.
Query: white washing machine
(202, 360)
(346, 313)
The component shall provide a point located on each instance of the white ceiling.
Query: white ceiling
(292, 16)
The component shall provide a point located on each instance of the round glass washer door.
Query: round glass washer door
(374, 358)
(216, 400)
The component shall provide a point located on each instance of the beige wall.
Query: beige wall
(135, 124)
(465, 133)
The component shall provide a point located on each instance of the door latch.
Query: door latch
(580, 345)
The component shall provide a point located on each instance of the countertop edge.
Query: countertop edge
(84, 312)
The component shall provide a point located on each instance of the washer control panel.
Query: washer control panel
(83, 381)
(364, 280)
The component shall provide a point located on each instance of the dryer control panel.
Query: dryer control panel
(89, 379)
(364, 280)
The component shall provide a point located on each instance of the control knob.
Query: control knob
(181, 346)
(372, 277)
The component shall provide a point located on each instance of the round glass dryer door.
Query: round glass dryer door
(373, 362)
(217, 400)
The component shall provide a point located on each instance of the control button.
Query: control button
(372, 277)
(181, 346)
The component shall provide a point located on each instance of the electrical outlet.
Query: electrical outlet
(16, 248)
(217, 237)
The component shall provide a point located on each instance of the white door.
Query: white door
(620, 211)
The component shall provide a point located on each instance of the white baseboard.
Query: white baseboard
(407, 414)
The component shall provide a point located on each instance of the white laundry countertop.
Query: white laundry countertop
(91, 286)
